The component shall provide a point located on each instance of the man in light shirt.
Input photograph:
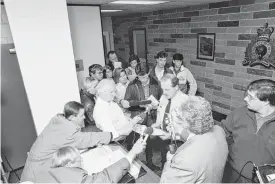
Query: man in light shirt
(108, 115)
(170, 100)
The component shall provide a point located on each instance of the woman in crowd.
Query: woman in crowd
(67, 167)
(184, 75)
(107, 72)
(62, 130)
(87, 95)
(202, 158)
(133, 61)
(121, 80)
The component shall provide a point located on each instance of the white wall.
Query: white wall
(85, 24)
(42, 38)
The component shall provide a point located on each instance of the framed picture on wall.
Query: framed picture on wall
(206, 46)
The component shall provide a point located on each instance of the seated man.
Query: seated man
(87, 95)
(67, 167)
(63, 129)
(108, 115)
(201, 159)
(250, 132)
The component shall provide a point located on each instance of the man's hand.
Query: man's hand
(166, 136)
(155, 125)
(135, 120)
(169, 156)
(155, 102)
(125, 104)
(139, 146)
(119, 138)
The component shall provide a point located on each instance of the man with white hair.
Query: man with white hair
(201, 159)
(108, 115)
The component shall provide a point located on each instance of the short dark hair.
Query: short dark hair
(161, 54)
(110, 52)
(265, 90)
(142, 68)
(134, 57)
(179, 57)
(72, 108)
(171, 77)
(105, 68)
(93, 68)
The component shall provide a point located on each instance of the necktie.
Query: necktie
(167, 110)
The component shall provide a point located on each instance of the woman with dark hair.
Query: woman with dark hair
(184, 75)
(133, 61)
(107, 72)
(63, 129)
(121, 80)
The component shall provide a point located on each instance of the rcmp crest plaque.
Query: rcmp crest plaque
(261, 50)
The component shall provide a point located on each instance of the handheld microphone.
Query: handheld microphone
(148, 131)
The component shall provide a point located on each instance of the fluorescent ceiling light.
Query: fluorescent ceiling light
(139, 2)
(110, 10)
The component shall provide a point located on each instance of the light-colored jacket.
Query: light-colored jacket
(189, 78)
(176, 102)
(111, 174)
(58, 133)
(201, 159)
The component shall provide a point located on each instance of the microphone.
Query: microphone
(148, 131)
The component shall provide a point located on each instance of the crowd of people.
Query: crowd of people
(116, 99)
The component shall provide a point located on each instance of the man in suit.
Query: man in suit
(201, 159)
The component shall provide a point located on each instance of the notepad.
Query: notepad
(97, 159)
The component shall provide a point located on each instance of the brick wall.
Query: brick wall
(6, 36)
(235, 22)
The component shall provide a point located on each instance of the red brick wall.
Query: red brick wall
(235, 22)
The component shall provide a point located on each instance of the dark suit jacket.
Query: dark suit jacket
(88, 101)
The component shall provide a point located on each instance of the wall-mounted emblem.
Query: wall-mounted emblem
(261, 50)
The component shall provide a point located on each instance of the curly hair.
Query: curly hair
(197, 113)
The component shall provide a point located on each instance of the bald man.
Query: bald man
(108, 115)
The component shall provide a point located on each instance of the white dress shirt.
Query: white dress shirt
(176, 102)
(109, 117)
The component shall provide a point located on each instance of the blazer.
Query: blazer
(201, 159)
(58, 133)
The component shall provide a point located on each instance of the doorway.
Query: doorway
(138, 43)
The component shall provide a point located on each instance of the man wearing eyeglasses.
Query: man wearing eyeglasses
(250, 132)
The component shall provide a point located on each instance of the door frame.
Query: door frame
(131, 40)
